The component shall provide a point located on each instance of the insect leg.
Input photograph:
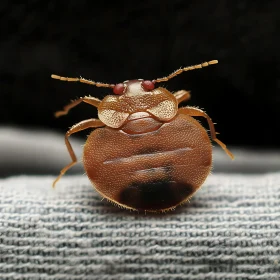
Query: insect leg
(91, 123)
(182, 95)
(195, 112)
(87, 99)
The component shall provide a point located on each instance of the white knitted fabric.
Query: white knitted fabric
(229, 230)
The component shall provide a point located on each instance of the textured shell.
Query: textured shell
(150, 171)
(114, 110)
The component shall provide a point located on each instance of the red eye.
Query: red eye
(148, 85)
(119, 88)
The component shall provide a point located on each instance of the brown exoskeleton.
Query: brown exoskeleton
(145, 153)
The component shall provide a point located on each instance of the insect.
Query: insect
(145, 153)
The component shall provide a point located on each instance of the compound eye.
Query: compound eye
(119, 88)
(148, 85)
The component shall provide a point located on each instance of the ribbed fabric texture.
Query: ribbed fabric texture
(229, 230)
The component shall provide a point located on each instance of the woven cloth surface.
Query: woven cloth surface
(229, 230)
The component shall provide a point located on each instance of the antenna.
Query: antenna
(188, 68)
(81, 80)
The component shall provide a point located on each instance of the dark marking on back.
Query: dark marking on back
(155, 195)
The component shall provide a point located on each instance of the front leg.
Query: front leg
(182, 95)
(91, 123)
(195, 112)
(87, 99)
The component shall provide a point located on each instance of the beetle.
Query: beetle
(145, 153)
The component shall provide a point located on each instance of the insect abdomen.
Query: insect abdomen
(151, 171)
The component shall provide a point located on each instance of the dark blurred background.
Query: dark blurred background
(113, 42)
